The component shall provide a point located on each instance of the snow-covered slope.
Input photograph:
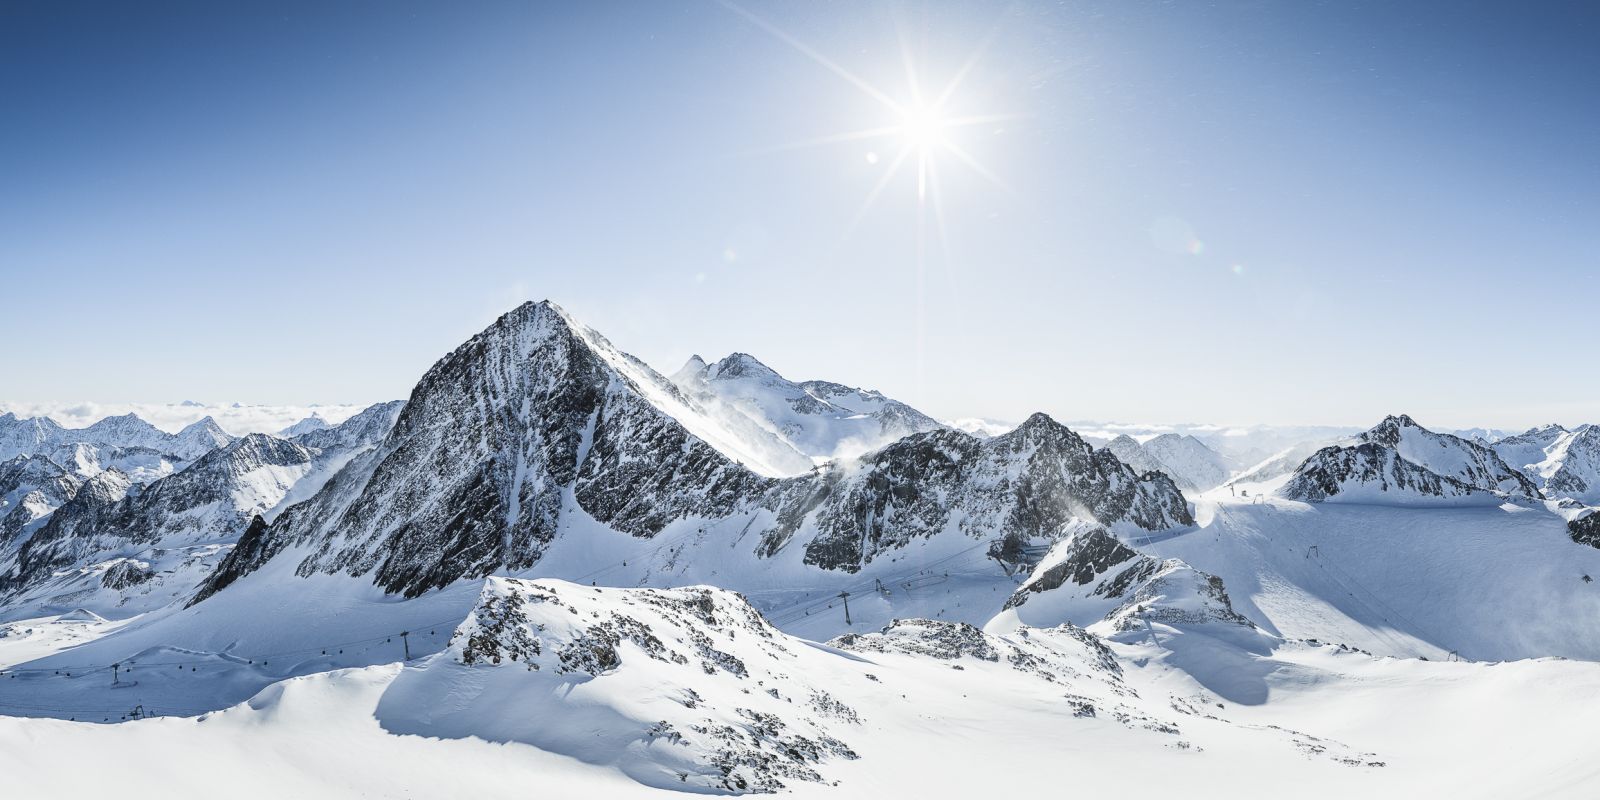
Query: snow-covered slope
(198, 438)
(1006, 604)
(817, 419)
(1029, 704)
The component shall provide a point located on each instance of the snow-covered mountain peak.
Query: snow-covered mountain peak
(107, 487)
(1188, 461)
(740, 365)
(257, 449)
(694, 368)
(313, 422)
(815, 420)
(199, 437)
(125, 430)
(1400, 461)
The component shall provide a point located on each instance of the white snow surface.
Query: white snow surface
(926, 709)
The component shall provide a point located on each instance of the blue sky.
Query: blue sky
(1279, 212)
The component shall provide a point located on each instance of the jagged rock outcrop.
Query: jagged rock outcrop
(1091, 578)
(1176, 594)
(1079, 559)
(746, 712)
(1585, 529)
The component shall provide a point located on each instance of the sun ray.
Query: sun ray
(910, 65)
(936, 193)
(971, 62)
(977, 167)
(877, 189)
(821, 59)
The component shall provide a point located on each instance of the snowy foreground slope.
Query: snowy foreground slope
(659, 691)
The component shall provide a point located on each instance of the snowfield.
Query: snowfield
(923, 709)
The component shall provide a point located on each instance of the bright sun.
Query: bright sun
(923, 127)
(921, 122)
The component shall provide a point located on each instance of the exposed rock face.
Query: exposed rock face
(1398, 460)
(1450, 456)
(536, 409)
(471, 478)
(1079, 560)
(747, 715)
(1091, 579)
(126, 574)
(1022, 486)
(1585, 529)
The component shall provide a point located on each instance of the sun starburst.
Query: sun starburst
(922, 132)
(923, 128)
